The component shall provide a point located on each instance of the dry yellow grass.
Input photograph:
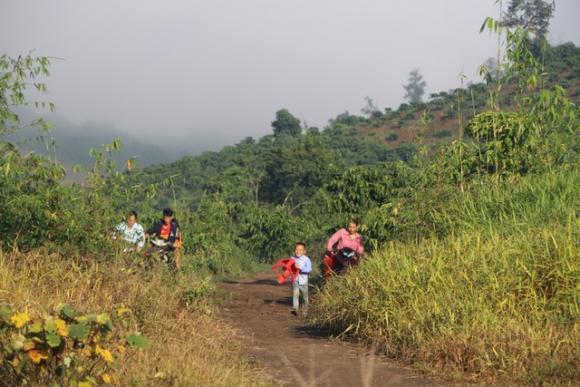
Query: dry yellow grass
(188, 345)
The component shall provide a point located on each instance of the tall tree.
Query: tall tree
(415, 87)
(286, 123)
(370, 108)
(532, 15)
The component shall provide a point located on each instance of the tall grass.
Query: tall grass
(517, 204)
(188, 345)
(498, 297)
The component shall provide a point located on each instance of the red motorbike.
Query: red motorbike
(338, 262)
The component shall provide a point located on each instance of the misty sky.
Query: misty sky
(208, 73)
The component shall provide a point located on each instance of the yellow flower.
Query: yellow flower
(61, 327)
(37, 356)
(85, 384)
(107, 378)
(104, 353)
(20, 319)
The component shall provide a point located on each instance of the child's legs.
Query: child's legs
(295, 295)
(304, 294)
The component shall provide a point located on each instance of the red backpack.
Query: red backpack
(286, 268)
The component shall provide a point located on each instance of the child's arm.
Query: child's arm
(140, 237)
(333, 240)
(306, 266)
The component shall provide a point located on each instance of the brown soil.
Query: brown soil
(293, 354)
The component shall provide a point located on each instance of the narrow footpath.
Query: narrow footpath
(292, 354)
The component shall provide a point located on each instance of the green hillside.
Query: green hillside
(297, 168)
(439, 119)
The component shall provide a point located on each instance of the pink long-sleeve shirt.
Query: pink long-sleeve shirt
(343, 239)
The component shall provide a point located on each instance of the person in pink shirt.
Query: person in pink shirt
(348, 237)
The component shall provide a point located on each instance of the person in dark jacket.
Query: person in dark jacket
(168, 229)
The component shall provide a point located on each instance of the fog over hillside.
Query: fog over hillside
(73, 142)
(194, 75)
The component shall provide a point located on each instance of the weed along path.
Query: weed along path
(291, 353)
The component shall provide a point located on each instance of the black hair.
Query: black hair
(167, 212)
(300, 244)
(356, 221)
(134, 213)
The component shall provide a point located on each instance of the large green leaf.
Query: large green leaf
(78, 331)
(105, 320)
(5, 312)
(35, 327)
(138, 341)
(49, 325)
(65, 310)
(52, 339)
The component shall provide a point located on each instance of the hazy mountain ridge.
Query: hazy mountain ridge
(72, 143)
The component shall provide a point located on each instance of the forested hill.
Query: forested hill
(440, 118)
(288, 166)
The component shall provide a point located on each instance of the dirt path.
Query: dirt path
(294, 355)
